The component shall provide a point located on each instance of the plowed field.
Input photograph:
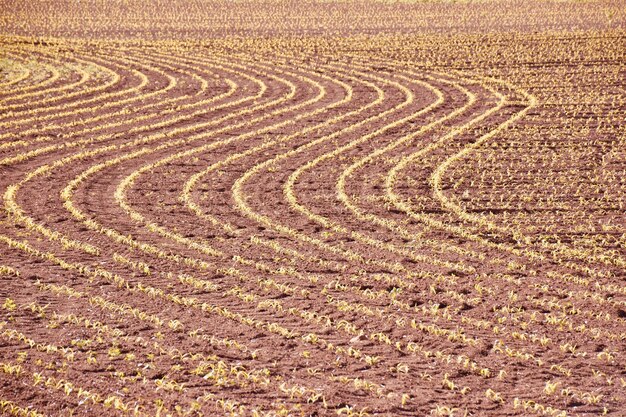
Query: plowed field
(356, 208)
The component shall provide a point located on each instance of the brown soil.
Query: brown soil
(393, 218)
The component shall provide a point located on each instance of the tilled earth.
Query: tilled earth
(365, 218)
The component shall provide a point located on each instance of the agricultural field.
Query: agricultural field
(312, 208)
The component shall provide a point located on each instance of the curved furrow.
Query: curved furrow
(251, 295)
(67, 193)
(283, 139)
(86, 71)
(214, 219)
(469, 232)
(175, 119)
(357, 223)
(267, 222)
(45, 169)
(445, 290)
(93, 152)
(194, 180)
(479, 118)
(351, 231)
(601, 320)
(386, 219)
(250, 152)
(77, 103)
(368, 184)
(157, 106)
(602, 324)
(9, 77)
(213, 166)
(557, 251)
(163, 123)
(41, 82)
(10, 194)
